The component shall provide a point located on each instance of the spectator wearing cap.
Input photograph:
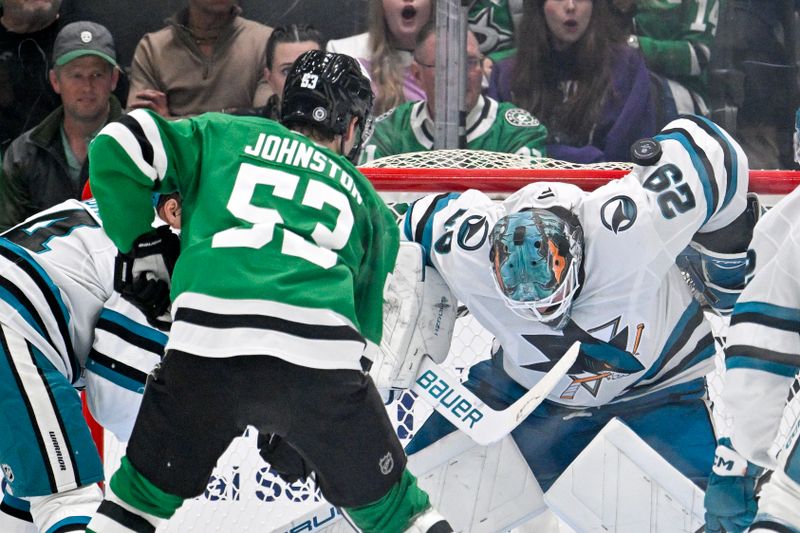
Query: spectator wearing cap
(48, 164)
(208, 58)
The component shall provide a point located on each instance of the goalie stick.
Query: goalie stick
(442, 391)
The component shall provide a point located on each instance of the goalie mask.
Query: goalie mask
(326, 90)
(536, 258)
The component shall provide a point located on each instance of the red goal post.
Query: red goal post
(494, 172)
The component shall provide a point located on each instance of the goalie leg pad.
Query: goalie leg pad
(478, 488)
(619, 481)
(419, 313)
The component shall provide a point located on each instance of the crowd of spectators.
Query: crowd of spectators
(577, 80)
(490, 125)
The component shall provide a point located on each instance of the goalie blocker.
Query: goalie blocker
(419, 314)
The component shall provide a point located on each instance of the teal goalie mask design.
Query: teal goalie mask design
(536, 257)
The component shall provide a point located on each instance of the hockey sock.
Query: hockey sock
(135, 490)
(394, 512)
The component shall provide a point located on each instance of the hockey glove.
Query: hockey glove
(142, 276)
(730, 497)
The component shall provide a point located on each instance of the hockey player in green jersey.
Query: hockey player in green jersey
(276, 301)
(490, 125)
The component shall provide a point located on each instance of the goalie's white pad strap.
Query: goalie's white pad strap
(419, 313)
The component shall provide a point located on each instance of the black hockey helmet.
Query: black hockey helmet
(326, 90)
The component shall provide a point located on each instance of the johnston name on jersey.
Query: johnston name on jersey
(297, 241)
(640, 327)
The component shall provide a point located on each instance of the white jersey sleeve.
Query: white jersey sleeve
(58, 270)
(762, 356)
(699, 184)
(124, 352)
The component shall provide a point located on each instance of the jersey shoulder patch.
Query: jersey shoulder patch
(521, 118)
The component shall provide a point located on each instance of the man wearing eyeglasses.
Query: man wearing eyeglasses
(490, 125)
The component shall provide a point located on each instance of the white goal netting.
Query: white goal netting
(245, 495)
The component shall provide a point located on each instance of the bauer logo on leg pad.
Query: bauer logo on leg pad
(438, 389)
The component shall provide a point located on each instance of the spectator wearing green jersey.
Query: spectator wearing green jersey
(490, 125)
(675, 38)
(493, 22)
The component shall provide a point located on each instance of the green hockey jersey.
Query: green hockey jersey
(285, 246)
(493, 22)
(676, 37)
(491, 126)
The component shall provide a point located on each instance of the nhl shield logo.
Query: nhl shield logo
(386, 464)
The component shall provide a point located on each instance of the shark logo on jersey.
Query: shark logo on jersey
(473, 232)
(618, 214)
(598, 360)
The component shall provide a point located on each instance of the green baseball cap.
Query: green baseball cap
(83, 38)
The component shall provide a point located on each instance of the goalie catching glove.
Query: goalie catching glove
(419, 313)
(142, 276)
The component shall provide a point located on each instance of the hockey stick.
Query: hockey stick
(445, 393)
(467, 412)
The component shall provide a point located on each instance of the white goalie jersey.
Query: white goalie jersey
(762, 356)
(639, 326)
(57, 277)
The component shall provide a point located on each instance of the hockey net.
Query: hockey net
(245, 495)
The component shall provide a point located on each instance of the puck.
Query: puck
(646, 152)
